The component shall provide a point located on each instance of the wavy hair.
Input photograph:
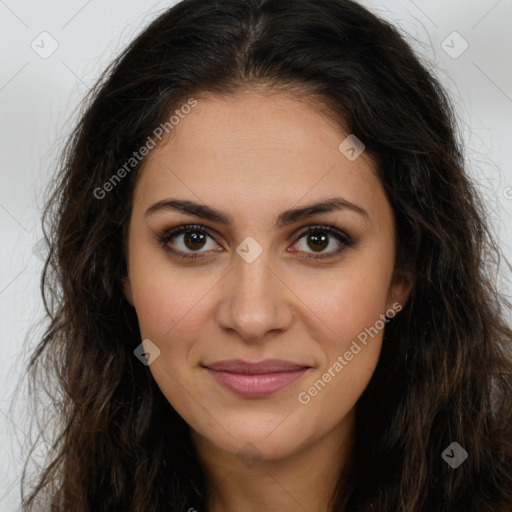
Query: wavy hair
(445, 370)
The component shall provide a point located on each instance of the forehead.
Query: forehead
(252, 149)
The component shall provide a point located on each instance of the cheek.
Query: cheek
(172, 307)
(168, 316)
(357, 304)
(348, 323)
(166, 297)
(345, 302)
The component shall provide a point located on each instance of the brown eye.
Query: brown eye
(316, 239)
(184, 241)
(194, 240)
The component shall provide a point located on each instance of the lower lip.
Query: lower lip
(258, 385)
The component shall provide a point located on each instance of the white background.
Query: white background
(38, 98)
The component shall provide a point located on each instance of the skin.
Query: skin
(252, 156)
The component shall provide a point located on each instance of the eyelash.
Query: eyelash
(167, 235)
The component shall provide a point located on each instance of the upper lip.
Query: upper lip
(248, 367)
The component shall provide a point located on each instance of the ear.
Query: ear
(400, 288)
(127, 289)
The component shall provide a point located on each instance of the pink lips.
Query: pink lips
(255, 379)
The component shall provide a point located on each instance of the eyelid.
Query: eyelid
(340, 235)
(332, 230)
(167, 234)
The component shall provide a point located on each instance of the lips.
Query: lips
(251, 379)
(266, 366)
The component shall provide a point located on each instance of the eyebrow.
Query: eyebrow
(287, 217)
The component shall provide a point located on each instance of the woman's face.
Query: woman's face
(247, 170)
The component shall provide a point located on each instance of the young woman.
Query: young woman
(271, 282)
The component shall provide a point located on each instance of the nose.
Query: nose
(255, 300)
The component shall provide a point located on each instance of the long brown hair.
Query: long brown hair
(444, 374)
